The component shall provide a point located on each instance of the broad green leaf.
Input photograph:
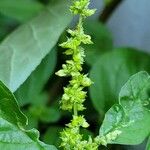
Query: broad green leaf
(31, 90)
(131, 117)
(148, 144)
(21, 10)
(110, 73)
(12, 121)
(23, 50)
(102, 41)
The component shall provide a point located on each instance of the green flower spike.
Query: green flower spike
(74, 94)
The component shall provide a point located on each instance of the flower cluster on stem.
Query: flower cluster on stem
(74, 94)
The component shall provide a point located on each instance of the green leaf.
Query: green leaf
(31, 90)
(9, 109)
(148, 144)
(13, 136)
(23, 50)
(131, 117)
(21, 10)
(102, 41)
(110, 73)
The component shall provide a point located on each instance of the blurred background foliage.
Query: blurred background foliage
(117, 53)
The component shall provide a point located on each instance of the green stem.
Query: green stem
(80, 23)
(75, 110)
(79, 28)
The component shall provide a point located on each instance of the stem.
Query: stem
(79, 28)
(80, 23)
(75, 110)
(108, 10)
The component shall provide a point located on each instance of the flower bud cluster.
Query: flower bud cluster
(73, 140)
(81, 7)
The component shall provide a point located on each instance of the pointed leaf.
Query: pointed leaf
(23, 50)
(12, 134)
(131, 117)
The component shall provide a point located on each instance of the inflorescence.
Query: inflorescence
(74, 94)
